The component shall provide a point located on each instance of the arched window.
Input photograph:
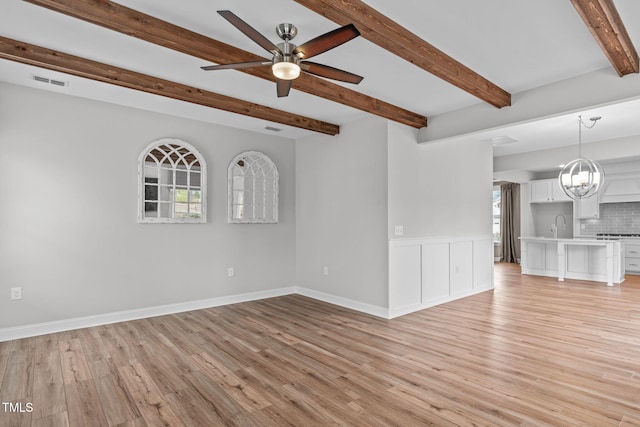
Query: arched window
(253, 189)
(172, 183)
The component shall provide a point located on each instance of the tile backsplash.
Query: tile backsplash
(615, 218)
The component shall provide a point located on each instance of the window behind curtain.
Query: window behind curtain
(496, 214)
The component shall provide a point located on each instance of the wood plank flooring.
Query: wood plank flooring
(532, 352)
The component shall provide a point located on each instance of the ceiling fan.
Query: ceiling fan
(288, 59)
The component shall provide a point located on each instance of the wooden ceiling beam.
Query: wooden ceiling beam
(29, 54)
(606, 26)
(379, 29)
(145, 27)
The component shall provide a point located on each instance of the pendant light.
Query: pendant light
(582, 177)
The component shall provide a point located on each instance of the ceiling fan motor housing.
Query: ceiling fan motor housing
(286, 64)
(286, 31)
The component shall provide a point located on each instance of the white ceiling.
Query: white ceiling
(518, 45)
(618, 120)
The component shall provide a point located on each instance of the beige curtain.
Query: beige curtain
(510, 221)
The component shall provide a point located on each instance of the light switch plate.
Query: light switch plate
(16, 293)
(399, 230)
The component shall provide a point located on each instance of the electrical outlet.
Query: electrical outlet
(399, 230)
(231, 272)
(325, 270)
(16, 293)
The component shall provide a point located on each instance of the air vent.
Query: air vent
(54, 82)
(41, 79)
(273, 129)
(501, 140)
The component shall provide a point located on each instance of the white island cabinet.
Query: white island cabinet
(583, 259)
(632, 256)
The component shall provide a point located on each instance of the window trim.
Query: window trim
(276, 190)
(142, 219)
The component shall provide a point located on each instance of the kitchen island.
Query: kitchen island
(579, 258)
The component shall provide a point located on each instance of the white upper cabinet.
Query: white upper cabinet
(547, 191)
(587, 208)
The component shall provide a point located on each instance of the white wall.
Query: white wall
(68, 230)
(404, 164)
(69, 236)
(346, 184)
(341, 212)
(439, 189)
(544, 214)
(441, 194)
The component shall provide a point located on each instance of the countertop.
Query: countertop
(574, 240)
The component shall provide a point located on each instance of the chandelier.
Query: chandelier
(582, 177)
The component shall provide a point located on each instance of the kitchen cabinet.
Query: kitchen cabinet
(540, 257)
(586, 260)
(587, 208)
(632, 256)
(547, 191)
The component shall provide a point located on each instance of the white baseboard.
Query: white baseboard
(401, 311)
(26, 331)
(432, 303)
(374, 310)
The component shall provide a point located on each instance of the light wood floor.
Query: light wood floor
(532, 352)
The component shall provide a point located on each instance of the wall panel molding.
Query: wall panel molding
(449, 268)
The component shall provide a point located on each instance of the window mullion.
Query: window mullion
(162, 160)
(259, 186)
(188, 191)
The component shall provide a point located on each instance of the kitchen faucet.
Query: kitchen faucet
(554, 226)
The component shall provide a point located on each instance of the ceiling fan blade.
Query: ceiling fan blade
(249, 31)
(327, 41)
(236, 66)
(283, 87)
(330, 72)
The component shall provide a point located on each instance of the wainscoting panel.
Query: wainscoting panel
(435, 261)
(408, 290)
(483, 264)
(461, 265)
(448, 269)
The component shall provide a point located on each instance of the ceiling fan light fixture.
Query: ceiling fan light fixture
(286, 70)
